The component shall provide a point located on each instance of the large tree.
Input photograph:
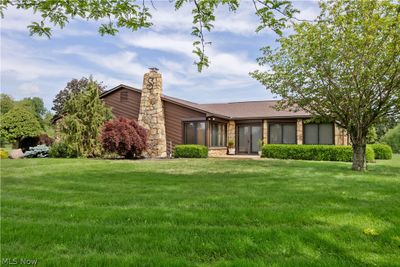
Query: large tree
(344, 67)
(135, 14)
(72, 88)
(6, 103)
(84, 116)
(36, 106)
(19, 123)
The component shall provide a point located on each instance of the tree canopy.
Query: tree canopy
(135, 14)
(6, 103)
(73, 87)
(19, 123)
(35, 104)
(392, 138)
(84, 115)
(344, 67)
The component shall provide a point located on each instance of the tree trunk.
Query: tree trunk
(359, 158)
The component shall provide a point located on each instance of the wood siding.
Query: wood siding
(128, 109)
(174, 115)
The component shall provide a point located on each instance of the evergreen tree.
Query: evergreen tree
(85, 114)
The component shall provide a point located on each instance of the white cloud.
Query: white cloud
(29, 89)
(121, 62)
(221, 62)
(167, 42)
(25, 63)
(241, 22)
(165, 17)
(230, 64)
(309, 10)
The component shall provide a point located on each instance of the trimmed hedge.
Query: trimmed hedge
(382, 151)
(190, 151)
(313, 152)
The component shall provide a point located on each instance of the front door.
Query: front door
(248, 136)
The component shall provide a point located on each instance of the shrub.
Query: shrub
(392, 138)
(124, 137)
(62, 150)
(3, 154)
(19, 123)
(231, 144)
(40, 151)
(190, 151)
(382, 151)
(370, 154)
(313, 152)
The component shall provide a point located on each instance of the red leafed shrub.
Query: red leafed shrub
(124, 137)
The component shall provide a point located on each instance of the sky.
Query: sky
(38, 66)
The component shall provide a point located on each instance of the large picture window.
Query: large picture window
(195, 133)
(315, 134)
(282, 133)
(218, 134)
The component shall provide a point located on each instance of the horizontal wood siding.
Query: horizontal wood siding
(174, 115)
(128, 109)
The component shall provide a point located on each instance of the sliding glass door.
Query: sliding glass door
(248, 137)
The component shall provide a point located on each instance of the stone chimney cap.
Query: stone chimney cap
(153, 69)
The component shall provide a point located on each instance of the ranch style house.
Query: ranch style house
(171, 121)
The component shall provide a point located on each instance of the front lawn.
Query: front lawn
(76, 212)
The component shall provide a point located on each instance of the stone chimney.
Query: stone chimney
(151, 114)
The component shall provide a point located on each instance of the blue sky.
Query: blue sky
(34, 66)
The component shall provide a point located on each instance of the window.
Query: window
(318, 134)
(282, 133)
(195, 133)
(218, 134)
(123, 96)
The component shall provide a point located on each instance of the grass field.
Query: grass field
(76, 212)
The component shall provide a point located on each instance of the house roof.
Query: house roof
(252, 109)
(232, 110)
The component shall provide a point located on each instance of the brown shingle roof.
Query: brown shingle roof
(234, 110)
(252, 109)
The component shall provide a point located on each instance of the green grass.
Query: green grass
(76, 212)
